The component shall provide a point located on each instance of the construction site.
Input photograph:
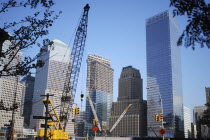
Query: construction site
(52, 121)
(103, 70)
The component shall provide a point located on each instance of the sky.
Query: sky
(117, 31)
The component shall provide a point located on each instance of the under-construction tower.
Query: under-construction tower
(100, 90)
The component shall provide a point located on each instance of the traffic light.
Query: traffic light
(161, 116)
(73, 110)
(76, 110)
(95, 122)
(157, 118)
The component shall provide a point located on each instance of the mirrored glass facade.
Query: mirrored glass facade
(164, 75)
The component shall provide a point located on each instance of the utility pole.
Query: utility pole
(46, 114)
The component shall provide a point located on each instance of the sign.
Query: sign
(43, 126)
(41, 117)
(38, 117)
(162, 131)
(95, 128)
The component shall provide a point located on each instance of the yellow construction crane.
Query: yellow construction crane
(56, 130)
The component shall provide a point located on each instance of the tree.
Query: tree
(205, 120)
(198, 27)
(24, 34)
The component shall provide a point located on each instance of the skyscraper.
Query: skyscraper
(164, 78)
(130, 92)
(11, 92)
(100, 88)
(197, 114)
(50, 79)
(207, 94)
(27, 97)
(187, 123)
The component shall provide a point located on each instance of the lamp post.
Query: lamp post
(161, 104)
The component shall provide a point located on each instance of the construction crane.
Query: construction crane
(96, 117)
(56, 130)
(94, 112)
(119, 119)
(73, 70)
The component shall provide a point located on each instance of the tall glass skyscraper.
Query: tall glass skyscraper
(164, 79)
(100, 88)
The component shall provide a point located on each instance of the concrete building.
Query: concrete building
(80, 124)
(50, 79)
(193, 131)
(164, 77)
(100, 88)
(197, 114)
(11, 91)
(27, 97)
(207, 94)
(130, 92)
(187, 122)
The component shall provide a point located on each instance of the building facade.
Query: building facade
(187, 123)
(197, 114)
(80, 124)
(193, 131)
(164, 78)
(130, 92)
(27, 97)
(11, 92)
(207, 94)
(50, 79)
(100, 89)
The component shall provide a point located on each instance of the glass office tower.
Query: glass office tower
(100, 89)
(164, 75)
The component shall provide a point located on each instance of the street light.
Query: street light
(161, 104)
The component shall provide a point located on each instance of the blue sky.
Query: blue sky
(116, 31)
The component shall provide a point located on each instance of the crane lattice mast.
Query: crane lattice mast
(72, 74)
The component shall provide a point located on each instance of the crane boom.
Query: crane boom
(94, 111)
(121, 116)
(73, 70)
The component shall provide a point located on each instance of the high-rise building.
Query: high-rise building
(27, 97)
(80, 124)
(193, 131)
(134, 123)
(187, 122)
(164, 78)
(100, 89)
(50, 79)
(11, 92)
(207, 94)
(197, 114)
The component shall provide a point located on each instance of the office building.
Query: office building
(187, 122)
(100, 89)
(164, 78)
(27, 97)
(130, 92)
(197, 114)
(193, 131)
(80, 124)
(11, 91)
(207, 94)
(50, 79)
